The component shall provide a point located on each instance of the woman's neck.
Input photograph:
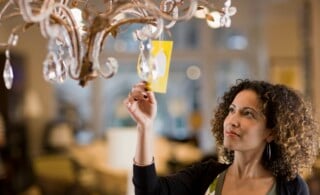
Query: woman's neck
(248, 166)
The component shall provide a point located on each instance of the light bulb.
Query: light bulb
(216, 20)
(201, 12)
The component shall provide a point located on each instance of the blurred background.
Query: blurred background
(65, 139)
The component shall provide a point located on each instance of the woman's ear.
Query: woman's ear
(270, 137)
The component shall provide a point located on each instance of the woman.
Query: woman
(266, 135)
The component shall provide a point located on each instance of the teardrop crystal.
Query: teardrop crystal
(13, 39)
(63, 72)
(8, 74)
(232, 11)
(158, 65)
(227, 3)
(143, 67)
(49, 69)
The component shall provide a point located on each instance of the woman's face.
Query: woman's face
(245, 125)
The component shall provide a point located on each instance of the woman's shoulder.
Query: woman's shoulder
(296, 186)
(210, 165)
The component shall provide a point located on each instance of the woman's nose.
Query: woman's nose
(235, 124)
(233, 120)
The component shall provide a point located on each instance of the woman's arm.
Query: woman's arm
(192, 180)
(142, 106)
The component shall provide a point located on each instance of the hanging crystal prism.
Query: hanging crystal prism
(228, 12)
(13, 39)
(49, 68)
(158, 64)
(62, 70)
(8, 74)
(143, 65)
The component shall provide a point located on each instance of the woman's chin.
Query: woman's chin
(229, 146)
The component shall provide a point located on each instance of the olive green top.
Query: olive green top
(215, 188)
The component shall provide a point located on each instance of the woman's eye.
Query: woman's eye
(248, 113)
(231, 110)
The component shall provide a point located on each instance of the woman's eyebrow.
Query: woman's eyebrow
(250, 108)
(244, 108)
(256, 111)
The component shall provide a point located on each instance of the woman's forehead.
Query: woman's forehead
(247, 98)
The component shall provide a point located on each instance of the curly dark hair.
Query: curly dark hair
(289, 115)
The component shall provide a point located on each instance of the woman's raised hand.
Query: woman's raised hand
(142, 105)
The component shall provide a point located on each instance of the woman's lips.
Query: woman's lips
(232, 134)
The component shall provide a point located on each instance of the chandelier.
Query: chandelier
(74, 44)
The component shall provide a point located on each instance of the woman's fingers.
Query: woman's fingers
(139, 92)
(131, 105)
(141, 103)
(151, 97)
(137, 95)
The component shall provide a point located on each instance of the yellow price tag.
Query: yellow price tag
(160, 56)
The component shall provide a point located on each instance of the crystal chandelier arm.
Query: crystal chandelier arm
(192, 8)
(111, 70)
(75, 49)
(10, 15)
(96, 43)
(175, 14)
(15, 31)
(5, 7)
(64, 2)
(189, 14)
(70, 25)
(26, 10)
(142, 20)
(45, 28)
(59, 11)
(89, 66)
(75, 39)
(142, 11)
(47, 12)
(153, 10)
